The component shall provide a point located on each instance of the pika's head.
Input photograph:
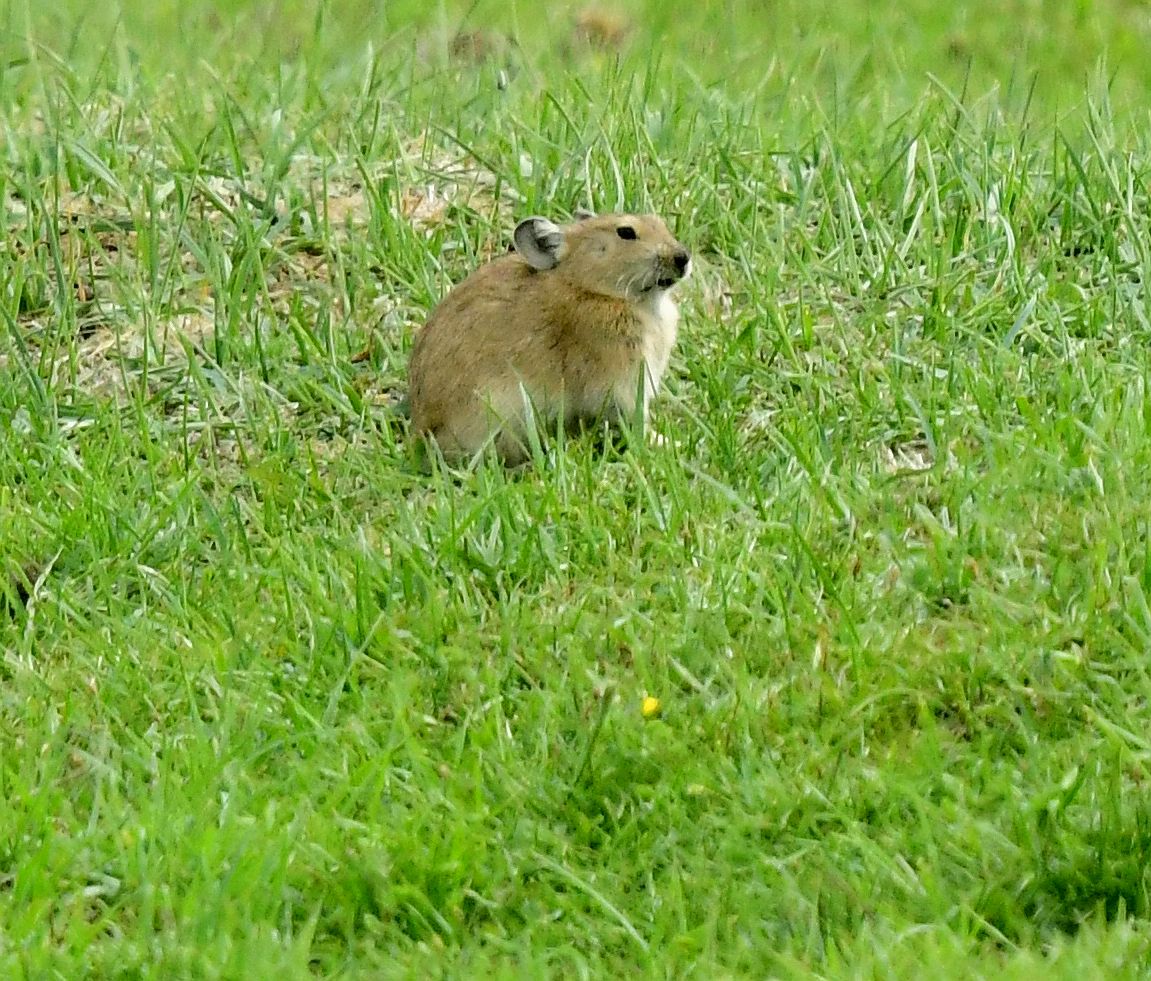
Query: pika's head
(631, 257)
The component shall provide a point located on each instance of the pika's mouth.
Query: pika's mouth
(663, 275)
(650, 285)
(662, 279)
(673, 268)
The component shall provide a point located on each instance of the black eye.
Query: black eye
(626, 232)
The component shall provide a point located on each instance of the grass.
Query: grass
(274, 703)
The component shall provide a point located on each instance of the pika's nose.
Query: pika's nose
(681, 257)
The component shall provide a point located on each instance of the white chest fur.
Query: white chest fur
(662, 321)
(659, 318)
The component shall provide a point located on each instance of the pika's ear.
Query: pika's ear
(582, 214)
(538, 241)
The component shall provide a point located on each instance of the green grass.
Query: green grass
(275, 703)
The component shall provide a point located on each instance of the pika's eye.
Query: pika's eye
(626, 232)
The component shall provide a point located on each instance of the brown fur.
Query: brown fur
(573, 326)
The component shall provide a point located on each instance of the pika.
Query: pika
(575, 326)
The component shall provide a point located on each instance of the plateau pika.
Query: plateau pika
(575, 325)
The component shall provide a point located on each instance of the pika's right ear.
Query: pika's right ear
(539, 241)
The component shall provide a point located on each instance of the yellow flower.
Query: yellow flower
(651, 707)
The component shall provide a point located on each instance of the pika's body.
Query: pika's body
(577, 324)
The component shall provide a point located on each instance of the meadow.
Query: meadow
(276, 703)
